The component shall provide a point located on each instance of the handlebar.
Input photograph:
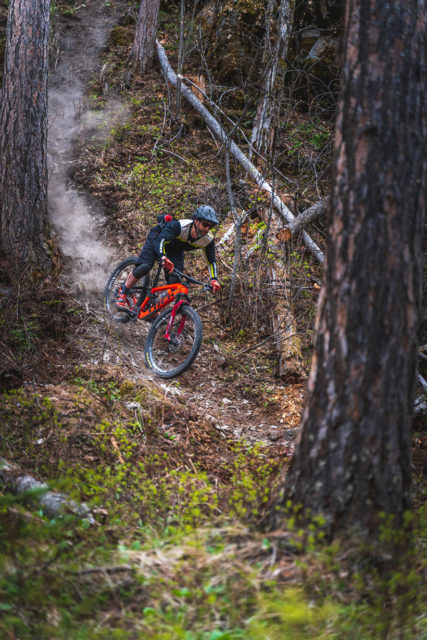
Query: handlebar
(205, 285)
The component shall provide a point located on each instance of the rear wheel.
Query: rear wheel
(171, 358)
(117, 278)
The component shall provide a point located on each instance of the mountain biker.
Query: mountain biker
(167, 242)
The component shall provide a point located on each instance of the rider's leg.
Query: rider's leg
(123, 300)
(131, 281)
(143, 265)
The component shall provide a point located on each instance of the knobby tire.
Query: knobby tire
(118, 276)
(168, 360)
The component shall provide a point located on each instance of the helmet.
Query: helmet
(205, 212)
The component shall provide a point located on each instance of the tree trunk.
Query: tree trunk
(353, 461)
(23, 135)
(286, 339)
(261, 132)
(144, 44)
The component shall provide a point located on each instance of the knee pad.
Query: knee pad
(140, 270)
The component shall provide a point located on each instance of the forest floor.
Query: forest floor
(80, 404)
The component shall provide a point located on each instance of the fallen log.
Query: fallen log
(52, 503)
(213, 124)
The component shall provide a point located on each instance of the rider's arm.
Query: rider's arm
(210, 256)
(171, 231)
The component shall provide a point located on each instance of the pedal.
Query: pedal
(123, 318)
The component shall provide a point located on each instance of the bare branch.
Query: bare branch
(422, 382)
(303, 219)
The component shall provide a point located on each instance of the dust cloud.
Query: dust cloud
(76, 220)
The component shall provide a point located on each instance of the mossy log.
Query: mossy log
(52, 503)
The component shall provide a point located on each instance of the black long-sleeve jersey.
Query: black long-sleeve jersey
(175, 237)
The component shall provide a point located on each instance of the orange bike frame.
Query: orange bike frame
(172, 290)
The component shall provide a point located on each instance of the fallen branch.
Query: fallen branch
(303, 219)
(227, 235)
(286, 215)
(423, 383)
(420, 406)
(173, 154)
(271, 337)
(421, 402)
(113, 569)
(52, 503)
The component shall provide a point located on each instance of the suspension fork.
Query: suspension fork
(172, 320)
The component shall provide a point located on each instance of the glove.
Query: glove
(167, 264)
(215, 285)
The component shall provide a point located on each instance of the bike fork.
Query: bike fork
(175, 308)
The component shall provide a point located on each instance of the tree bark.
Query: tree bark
(353, 461)
(23, 135)
(144, 44)
(218, 130)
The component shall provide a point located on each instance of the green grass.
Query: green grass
(179, 555)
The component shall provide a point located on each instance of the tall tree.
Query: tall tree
(144, 44)
(23, 134)
(353, 459)
(274, 49)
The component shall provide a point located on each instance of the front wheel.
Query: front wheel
(170, 358)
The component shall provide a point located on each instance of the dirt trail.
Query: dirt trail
(80, 225)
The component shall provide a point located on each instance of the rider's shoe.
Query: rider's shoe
(122, 301)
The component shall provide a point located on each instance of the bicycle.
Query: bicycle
(175, 336)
